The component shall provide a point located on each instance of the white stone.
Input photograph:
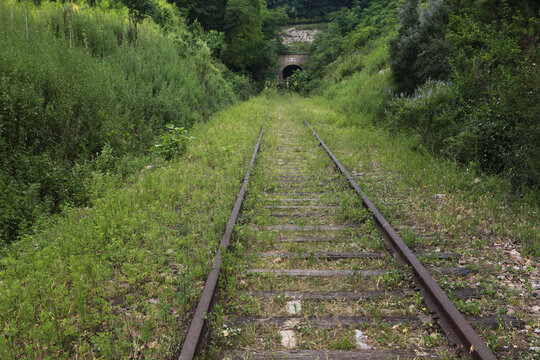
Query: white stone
(510, 312)
(360, 337)
(288, 340)
(515, 253)
(291, 35)
(293, 307)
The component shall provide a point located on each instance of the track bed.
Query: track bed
(309, 277)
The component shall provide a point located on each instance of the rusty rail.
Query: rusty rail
(467, 342)
(196, 330)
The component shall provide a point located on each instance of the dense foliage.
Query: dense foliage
(209, 13)
(335, 52)
(250, 29)
(465, 76)
(71, 115)
(484, 108)
(310, 10)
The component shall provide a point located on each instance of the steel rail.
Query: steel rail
(196, 330)
(460, 333)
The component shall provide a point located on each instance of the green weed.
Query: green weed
(174, 143)
(76, 115)
(121, 278)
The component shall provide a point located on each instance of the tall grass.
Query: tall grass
(121, 279)
(60, 107)
(358, 86)
(350, 113)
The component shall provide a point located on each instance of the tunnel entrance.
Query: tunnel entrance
(289, 70)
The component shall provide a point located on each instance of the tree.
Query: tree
(421, 51)
(243, 29)
(209, 13)
(309, 9)
(137, 11)
(273, 19)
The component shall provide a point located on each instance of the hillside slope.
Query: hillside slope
(72, 113)
(463, 78)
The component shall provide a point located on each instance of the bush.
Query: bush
(491, 124)
(425, 113)
(299, 81)
(174, 143)
(420, 51)
(95, 107)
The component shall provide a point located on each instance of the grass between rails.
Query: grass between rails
(457, 210)
(120, 280)
(300, 157)
(454, 200)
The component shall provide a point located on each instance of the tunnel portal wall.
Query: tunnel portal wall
(290, 59)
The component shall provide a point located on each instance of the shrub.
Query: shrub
(420, 51)
(173, 143)
(299, 81)
(70, 113)
(489, 122)
(425, 113)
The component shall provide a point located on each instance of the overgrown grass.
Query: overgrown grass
(455, 208)
(120, 279)
(362, 94)
(351, 110)
(298, 47)
(61, 106)
(472, 204)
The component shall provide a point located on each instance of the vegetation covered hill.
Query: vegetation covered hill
(463, 73)
(74, 108)
(302, 11)
(250, 31)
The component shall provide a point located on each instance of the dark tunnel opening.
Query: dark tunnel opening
(289, 70)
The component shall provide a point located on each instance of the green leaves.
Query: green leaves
(427, 113)
(243, 19)
(174, 143)
(72, 119)
(139, 9)
(421, 51)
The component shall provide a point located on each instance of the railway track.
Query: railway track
(310, 278)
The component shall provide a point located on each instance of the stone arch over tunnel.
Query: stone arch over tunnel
(289, 70)
(288, 63)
